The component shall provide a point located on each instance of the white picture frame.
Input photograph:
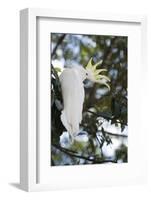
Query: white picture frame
(29, 148)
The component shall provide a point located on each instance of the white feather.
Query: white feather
(73, 98)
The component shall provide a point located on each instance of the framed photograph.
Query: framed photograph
(81, 85)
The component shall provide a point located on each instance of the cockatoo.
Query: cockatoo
(71, 80)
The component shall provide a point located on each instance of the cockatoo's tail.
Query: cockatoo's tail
(94, 73)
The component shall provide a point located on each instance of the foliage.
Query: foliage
(99, 106)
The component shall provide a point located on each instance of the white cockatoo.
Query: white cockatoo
(71, 80)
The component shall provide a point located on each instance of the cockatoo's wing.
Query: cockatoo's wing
(73, 98)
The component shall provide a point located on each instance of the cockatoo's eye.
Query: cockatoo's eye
(86, 74)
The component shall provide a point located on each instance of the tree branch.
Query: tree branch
(94, 160)
(58, 43)
(100, 115)
(115, 134)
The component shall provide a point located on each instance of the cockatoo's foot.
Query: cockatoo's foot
(82, 136)
(66, 140)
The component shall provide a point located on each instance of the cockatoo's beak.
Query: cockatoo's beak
(95, 74)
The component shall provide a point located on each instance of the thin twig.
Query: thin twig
(58, 43)
(115, 134)
(100, 115)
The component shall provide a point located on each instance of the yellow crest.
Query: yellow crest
(96, 73)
